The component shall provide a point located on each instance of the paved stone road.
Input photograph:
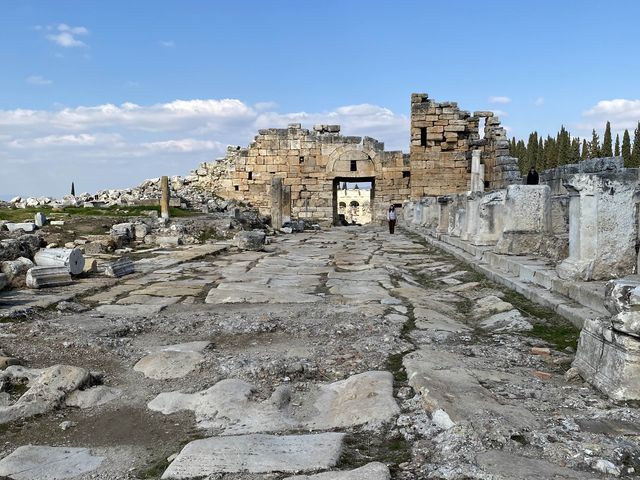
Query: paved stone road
(349, 351)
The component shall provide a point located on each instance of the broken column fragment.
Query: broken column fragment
(121, 267)
(16, 271)
(43, 277)
(71, 258)
(444, 212)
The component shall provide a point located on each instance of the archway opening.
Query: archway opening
(353, 200)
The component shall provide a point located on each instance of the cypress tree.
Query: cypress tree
(635, 152)
(564, 146)
(551, 152)
(73, 189)
(607, 150)
(626, 148)
(616, 151)
(585, 149)
(575, 150)
(532, 150)
(594, 146)
(540, 160)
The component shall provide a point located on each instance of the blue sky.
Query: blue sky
(110, 93)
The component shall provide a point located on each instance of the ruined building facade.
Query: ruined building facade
(313, 163)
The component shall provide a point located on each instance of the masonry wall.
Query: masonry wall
(442, 137)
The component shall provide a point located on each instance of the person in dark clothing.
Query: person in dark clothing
(532, 177)
(391, 216)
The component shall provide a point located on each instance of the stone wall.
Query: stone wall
(310, 162)
(442, 140)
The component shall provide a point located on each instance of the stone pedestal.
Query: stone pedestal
(609, 360)
(489, 219)
(602, 227)
(608, 354)
(527, 219)
(471, 216)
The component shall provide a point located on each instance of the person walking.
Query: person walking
(391, 216)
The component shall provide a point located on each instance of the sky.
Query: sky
(107, 94)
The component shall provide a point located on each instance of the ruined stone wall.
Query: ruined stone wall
(309, 161)
(442, 139)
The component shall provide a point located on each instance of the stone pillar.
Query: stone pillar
(608, 355)
(490, 216)
(286, 204)
(602, 226)
(164, 200)
(527, 219)
(477, 172)
(276, 203)
(444, 211)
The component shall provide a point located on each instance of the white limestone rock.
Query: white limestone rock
(172, 361)
(252, 240)
(511, 321)
(92, 397)
(364, 399)
(35, 462)
(256, 454)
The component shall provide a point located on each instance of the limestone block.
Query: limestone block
(40, 219)
(602, 226)
(370, 471)
(43, 277)
(70, 258)
(489, 220)
(123, 230)
(253, 240)
(27, 227)
(609, 360)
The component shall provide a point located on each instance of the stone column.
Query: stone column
(527, 219)
(276, 203)
(444, 212)
(286, 204)
(164, 200)
(602, 226)
(477, 172)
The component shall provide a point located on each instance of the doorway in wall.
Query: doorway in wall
(353, 200)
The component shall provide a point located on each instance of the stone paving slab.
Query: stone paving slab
(34, 462)
(371, 471)
(256, 454)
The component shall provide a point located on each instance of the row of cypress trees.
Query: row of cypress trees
(543, 153)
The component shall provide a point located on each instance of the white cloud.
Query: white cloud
(167, 43)
(64, 35)
(115, 146)
(38, 80)
(538, 102)
(499, 100)
(622, 113)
